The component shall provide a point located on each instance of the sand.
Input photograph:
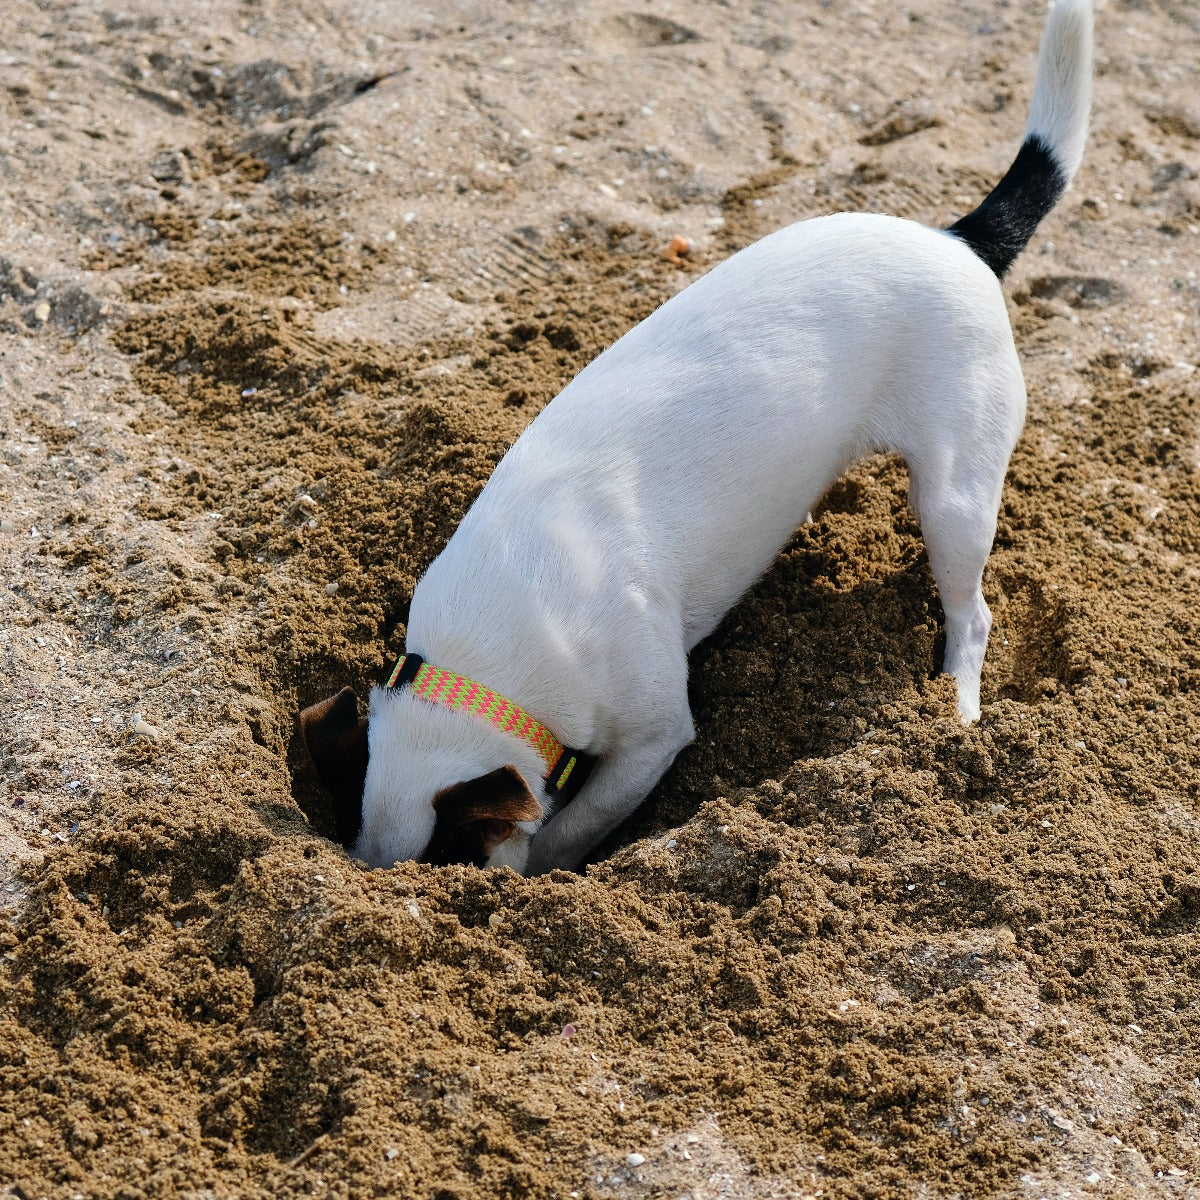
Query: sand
(278, 285)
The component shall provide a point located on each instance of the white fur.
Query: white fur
(651, 493)
(1062, 93)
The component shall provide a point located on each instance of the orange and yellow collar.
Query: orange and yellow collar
(566, 769)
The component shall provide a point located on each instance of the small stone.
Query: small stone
(538, 1108)
(677, 248)
(636, 1160)
(41, 312)
(143, 728)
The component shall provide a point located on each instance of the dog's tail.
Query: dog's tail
(999, 229)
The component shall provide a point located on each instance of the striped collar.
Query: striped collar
(566, 769)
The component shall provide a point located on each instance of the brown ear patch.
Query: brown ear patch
(474, 817)
(337, 743)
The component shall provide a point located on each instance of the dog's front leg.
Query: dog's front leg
(618, 785)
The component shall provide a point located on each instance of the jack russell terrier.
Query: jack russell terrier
(548, 643)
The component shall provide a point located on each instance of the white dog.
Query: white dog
(658, 486)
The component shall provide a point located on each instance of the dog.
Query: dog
(548, 643)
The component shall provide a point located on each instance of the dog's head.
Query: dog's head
(414, 781)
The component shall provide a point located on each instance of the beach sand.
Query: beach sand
(279, 283)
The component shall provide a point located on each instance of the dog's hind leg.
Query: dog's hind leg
(956, 494)
(958, 541)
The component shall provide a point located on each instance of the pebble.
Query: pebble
(678, 247)
(41, 311)
(636, 1160)
(142, 728)
(331, 588)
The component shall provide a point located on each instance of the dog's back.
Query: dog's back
(684, 456)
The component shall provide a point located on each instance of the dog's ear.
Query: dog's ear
(473, 818)
(336, 738)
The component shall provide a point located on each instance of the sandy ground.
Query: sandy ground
(278, 284)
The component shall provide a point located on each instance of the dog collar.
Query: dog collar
(566, 769)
